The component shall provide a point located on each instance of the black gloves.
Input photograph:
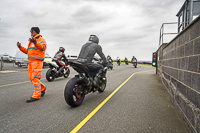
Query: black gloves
(105, 64)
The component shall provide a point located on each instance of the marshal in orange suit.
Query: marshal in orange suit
(36, 54)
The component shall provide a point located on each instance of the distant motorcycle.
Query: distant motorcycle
(134, 62)
(110, 65)
(53, 72)
(82, 84)
(126, 62)
(118, 62)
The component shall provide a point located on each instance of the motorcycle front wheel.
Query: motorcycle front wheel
(103, 85)
(50, 75)
(73, 95)
(135, 65)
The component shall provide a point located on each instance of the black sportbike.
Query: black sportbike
(118, 62)
(83, 83)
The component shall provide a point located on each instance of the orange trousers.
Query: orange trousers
(34, 74)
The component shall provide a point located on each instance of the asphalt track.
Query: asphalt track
(134, 101)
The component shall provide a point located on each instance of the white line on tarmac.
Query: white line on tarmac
(8, 71)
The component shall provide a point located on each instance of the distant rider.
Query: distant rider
(125, 59)
(134, 59)
(118, 59)
(109, 59)
(59, 57)
(87, 53)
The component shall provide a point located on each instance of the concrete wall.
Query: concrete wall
(179, 69)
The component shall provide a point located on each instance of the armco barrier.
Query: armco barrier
(179, 69)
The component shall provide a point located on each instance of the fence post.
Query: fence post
(1, 63)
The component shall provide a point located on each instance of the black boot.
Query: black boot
(43, 92)
(31, 100)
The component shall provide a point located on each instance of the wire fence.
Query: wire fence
(14, 63)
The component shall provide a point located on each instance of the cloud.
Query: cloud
(124, 27)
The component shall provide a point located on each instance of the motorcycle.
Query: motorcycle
(53, 72)
(83, 83)
(110, 65)
(118, 62)
(134, 62)
(126, 62)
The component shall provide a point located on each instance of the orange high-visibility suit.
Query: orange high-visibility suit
(36, 55)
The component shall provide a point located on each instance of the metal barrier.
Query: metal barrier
(162, 31)
(18, 62)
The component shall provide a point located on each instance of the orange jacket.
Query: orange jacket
(35, 51)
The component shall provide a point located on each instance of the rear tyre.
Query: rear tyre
(73, 95)
(50, 75)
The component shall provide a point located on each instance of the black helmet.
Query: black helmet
(94, 38)
(61, 49)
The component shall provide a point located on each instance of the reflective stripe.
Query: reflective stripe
(33, 48)
(37, 89)
(37, 76)
(37, 85)
(42, 42)
(43, 47)
(35, 57)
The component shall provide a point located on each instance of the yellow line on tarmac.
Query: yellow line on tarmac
(81, 124)
(16, 83)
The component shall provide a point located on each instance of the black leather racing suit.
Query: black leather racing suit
(133, 60)
(87, 53)
(58, 59)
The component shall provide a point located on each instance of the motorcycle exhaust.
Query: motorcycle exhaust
(85, 79)
(55, 70)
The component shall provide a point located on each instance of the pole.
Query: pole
(1, 63)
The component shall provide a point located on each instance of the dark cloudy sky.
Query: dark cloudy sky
(124, 27)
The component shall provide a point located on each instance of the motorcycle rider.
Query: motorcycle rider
(125, 60)
(109, 59)
(86, 55)
(58, 57)
(118, 59)
(134, 58)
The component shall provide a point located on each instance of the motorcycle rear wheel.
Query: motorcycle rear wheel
(50, 75)
(72, 94)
